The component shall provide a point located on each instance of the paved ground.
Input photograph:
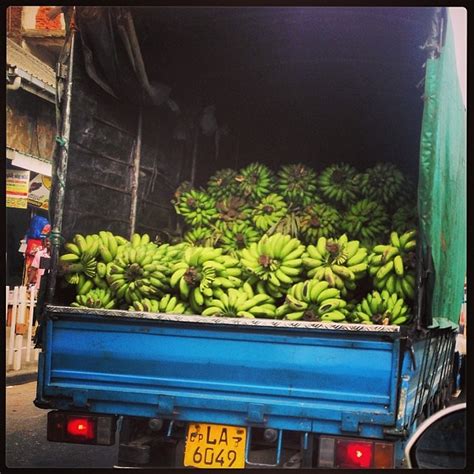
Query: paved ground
(26, 444)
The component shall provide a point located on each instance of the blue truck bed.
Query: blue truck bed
(310, 377)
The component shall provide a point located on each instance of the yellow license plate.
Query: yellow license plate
(215, 446)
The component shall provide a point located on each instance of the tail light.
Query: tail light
(67, 427)
(354, 453)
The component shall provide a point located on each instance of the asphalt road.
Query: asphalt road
(26, 444)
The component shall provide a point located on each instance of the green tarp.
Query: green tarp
(442, 183)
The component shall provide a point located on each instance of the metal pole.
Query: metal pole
(59, 176)
(136, 175)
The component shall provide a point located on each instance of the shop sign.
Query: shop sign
(17, 188)
(38, 195)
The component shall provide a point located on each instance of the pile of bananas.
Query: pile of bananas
(382, 183)
(319, 220)
(366, 221)
(223, 184)
(381, 308)
(255, 181)
(168, 304)
(338, 262)
(297, 184)
(240, 303)
(95, 298)
(269, 211)
(196, 207)
(393, 266)
(313, 300)
(339, 183)
(201, 271)
(276, 261)
(267, 278)
(263, 243)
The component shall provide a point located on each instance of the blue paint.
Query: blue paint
(302, 380)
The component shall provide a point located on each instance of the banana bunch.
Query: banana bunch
(405, 218)
(168, 254)
(290, 224)
(238, 235)
(255, 181)
(382, 183)
(223, 184)
(393, 266)
(240, 303)
(201, 271)
(81, 257)
(276, 261)
(95, 298)
(319, 220)
(269, 211)
(168, 304)
(338, 262)
(137, 271)
(296, 184)
(232, 209)
(366, 221)
(199, 236)
(196, 207)
(339, 184)
(381, 308)
(84, 252)
(313, 300)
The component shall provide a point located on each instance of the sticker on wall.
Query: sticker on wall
(17, 188)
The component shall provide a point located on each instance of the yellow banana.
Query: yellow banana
(327, 293)
(394, 239)
(316, 288)
(398, 265)
(184, 289)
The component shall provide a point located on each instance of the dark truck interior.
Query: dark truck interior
(278, 85)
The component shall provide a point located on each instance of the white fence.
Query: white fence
(19, 310)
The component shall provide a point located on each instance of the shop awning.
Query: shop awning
(29, 162)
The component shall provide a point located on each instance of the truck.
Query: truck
(299, 84)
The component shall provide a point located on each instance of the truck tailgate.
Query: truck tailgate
(295, 376)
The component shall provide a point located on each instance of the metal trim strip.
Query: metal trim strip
(347, 327)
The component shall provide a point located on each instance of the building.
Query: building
(34, 42)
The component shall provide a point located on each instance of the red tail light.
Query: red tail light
(81, 427)
(355, 453)
(66, 427)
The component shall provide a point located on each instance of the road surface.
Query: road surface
(26, 444)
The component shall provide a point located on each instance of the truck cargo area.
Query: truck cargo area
(278, 85)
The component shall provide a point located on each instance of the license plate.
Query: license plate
(215, 446)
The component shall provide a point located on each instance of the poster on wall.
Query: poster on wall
(38, 195)
(17, 188)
